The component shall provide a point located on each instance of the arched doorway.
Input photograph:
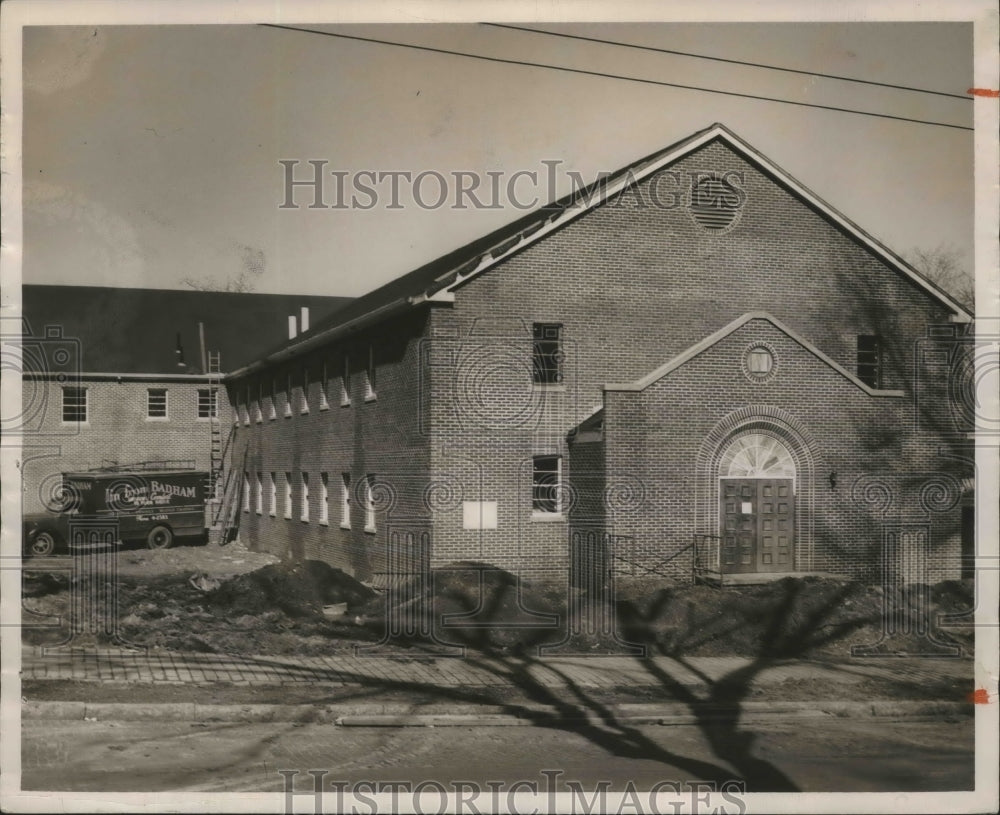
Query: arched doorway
(757, 505)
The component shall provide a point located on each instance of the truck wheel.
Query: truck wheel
(160, 537)
(43, 544)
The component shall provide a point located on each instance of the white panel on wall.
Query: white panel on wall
(479, 514)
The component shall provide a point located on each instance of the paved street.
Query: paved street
(828, 755)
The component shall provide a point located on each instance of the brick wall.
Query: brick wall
(379, 437)
(117, 430)
(633, 284)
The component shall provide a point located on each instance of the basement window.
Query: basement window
(546, 355)
(345, 500)
(869, 360)
(304, 516)
(370, 503)
(546, 492)
(288, 495)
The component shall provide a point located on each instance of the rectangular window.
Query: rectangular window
(288, 396)
(369, 503)
(305, 390)
(246, 491)
(258, 407)
(74, 406)
(246, 405)
(345, 500)
(273, 407)
(208, 403)
(288, 495)
(273, 503)
(370, 375)
(546, 353)
(545, 492)
(345, 382)
(324, 499)
(260, 494)
(156, 403)
(324, 402)
(304, 498)
(869, 360)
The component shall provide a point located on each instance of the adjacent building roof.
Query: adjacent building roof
(437, 280)
(150, 331)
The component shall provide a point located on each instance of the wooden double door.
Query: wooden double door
(758, 525)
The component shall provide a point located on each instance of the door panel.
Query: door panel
(758, 522)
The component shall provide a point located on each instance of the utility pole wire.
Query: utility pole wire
(964, 97)
(585, 72)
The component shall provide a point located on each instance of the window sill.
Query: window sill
(346, 527)
(157, 418)
(272, 514)
(547, 517)
(371, 397)
(75, 424)
(554, 387)
(323, 523)
(346, 404)
(370, 530)
(325, 406)
(304, 411)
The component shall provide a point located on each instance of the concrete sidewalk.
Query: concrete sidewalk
(168, 667)
(413, 690)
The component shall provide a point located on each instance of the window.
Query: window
(370, 375)
(869, 360)
(546, 495)
(324, 499)
(156, 403)
(288, 495)
(546, 353)
(246, 491)
(208, 403)
(369, 503)
(324, 403)
(272, 409)
(74, 408)
(273, 503)
(345, 500)
(345, 382)
(304, 509)
(288, 396)
(305, 390)
(246, 405)
(260, 494)
(258, 408)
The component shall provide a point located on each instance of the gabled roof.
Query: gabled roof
(135, 331)
(437, 280)
(699, 347)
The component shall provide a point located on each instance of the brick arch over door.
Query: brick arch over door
(769, 421)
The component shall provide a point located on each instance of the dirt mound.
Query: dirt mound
(796, 617)
(473, 604)
(298, 589)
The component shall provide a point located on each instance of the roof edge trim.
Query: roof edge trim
(654, 376)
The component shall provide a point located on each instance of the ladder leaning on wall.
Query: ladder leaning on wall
(223, 488)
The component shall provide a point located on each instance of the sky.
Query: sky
(151, 153)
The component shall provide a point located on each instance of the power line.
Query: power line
(585, 72)
(964, 97)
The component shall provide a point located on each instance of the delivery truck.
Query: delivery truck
(141, 505)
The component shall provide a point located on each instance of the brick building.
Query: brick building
(695, 355)
(118, 376)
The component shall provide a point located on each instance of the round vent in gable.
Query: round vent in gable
(715, 203)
